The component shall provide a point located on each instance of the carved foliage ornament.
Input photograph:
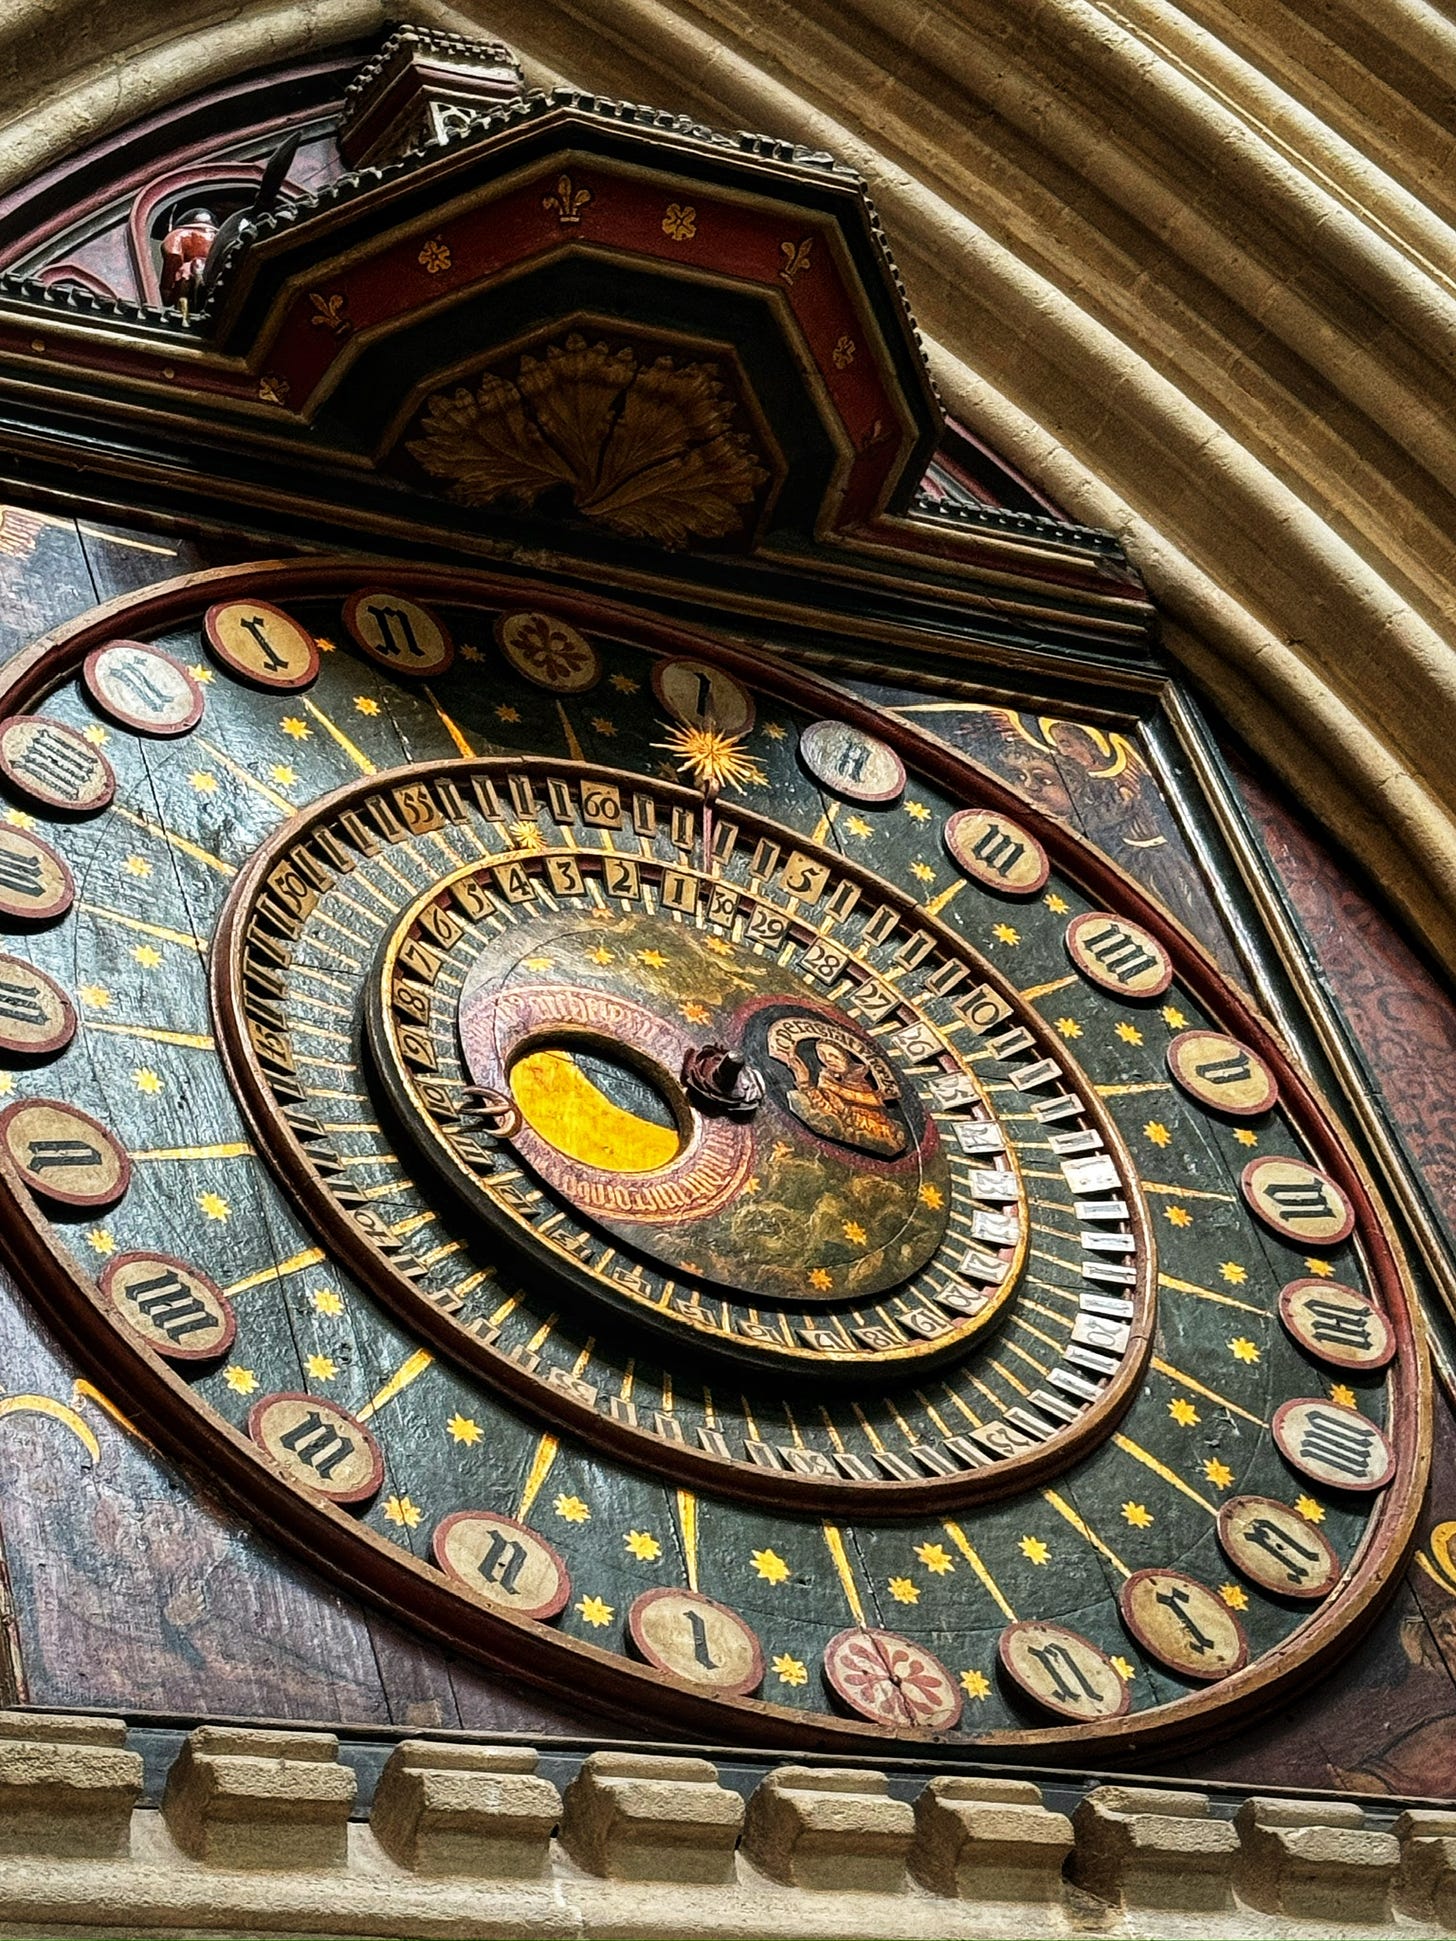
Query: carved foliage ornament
(648, 450)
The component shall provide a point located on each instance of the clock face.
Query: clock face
(675, 1181)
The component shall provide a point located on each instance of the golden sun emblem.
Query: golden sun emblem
(712, 759)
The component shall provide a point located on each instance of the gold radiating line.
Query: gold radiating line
(573, 745)
(1064, 1508)
(687, 1516)
(1185, 1192)
(1208, 1294)
(449, 726)
(835, 1541)
(351, 748)
(1150, 1461)
(968, 1550)
(146, 929)
(1045, 990)
(155, 1034)
(192, 849)
(540, 1469)
(310, 1257)
(1131, 1091)
(937, 903)
(1199, 1388)
(239, 1150)
(414, 1365)
(248, 779)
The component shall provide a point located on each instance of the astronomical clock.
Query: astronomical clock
(542, 1070)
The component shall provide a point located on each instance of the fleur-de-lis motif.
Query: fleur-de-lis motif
(273, 390)
(843, 353)
(329, 311)
(566, 200)
(680, 221)
(796, 258)
(435, 256)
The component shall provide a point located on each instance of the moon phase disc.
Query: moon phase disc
(695, 1638)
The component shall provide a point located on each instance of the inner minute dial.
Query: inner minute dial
(829, 1126)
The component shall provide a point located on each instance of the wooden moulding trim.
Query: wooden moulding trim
(418, 1596)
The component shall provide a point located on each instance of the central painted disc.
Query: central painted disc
(835, 1179)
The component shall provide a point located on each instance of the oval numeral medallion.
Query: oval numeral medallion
(1222, 1074)
(1118, 955)
(54, 766)
(997, 852)
(1276, 1548)
(1336, 1325)
(1297, 1201)
(37, 1019)
(1063, 1671)
(142, 689)
(1333, 1445)
(63, 1154)
(173, 1308)
(693, 1637)
(262, 645)
(318, 1444)
(1183, 1624)
(503, 1561)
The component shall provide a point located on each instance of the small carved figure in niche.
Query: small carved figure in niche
(267, 198)
(185, 250)
(849, 1098)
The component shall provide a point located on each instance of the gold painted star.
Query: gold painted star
(96, 735)
(7, 1083)
(295, 729)
(469, 651)
(1069, 1027)
(18, 819)
(646, 1549)
(1235, 1596)
(975, 1684)
(366, 704)
(1157, 1132)
(918, 811)
(200, 672)
(1321, 1269)
(327, 1301)
(399, 1509)
(1129, 1033)
(571, 1509)
(653, 959)
(463, 1428)
(856, 825)
(147, 955)
(1034, 1550)
(1183, 1412)
(1006, 933)
(1173, 1017)
(1342, 1393)
(537, 963)
(1245, 1137)
(527, 835)
(769, 1565)
(1218, 1473)
(324, 644)
(855, 1233)
(505, 712)
(718, 947)
(922, 872)
(931, 1196)
(214, 1206)
(752, 1184)
(601, 726)
(694, 1012)
(1124, 1668)
(242, 1381)
(599, 954)
(1138, 1515)
(95, 997)
(790, 1671)
(821, 1280)
(593, 1610)
(1178, 1216)
(284, 775)
(1309, 1509)
(101, 1240)
(1058, 905)
(1242, 1349)
(624, 684)
(775, 730)
(904, 1591)
(323, 1368)
(935, 1557)
(203, 781)
(1231, 1271)
(147, 1080)
(137, 866)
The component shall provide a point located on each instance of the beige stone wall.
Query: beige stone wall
(1191, 267)
(257, 1835)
